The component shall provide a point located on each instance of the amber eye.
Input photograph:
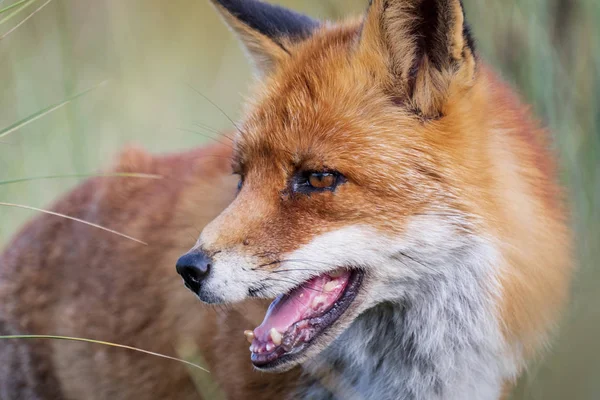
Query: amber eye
(322, 180)
(308, 182)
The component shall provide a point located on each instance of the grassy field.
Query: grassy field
(148, 53)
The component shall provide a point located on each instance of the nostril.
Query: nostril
(194, 268)
(192, 275)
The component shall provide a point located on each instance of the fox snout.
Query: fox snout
(194, 267)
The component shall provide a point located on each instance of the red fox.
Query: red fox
(394, 197)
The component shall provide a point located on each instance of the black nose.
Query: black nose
(194, 268)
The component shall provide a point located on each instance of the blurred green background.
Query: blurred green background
(152, 51)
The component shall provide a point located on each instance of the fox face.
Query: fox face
(364, 176)
(343, 174)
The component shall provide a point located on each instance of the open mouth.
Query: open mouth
(295, 319)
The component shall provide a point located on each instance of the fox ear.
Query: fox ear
(426, 49)
(266, 31)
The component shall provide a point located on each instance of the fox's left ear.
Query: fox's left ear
(267, 31)
(423, 46)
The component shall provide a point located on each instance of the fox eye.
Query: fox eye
(317, 181)
(321, 180)
(240, 181)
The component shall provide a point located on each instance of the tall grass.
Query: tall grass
(150, 50)
(102, 343)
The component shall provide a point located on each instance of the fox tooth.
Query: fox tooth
(318, 300)
(337, 273)
(249, 336)
(275, 336)
(329, 286)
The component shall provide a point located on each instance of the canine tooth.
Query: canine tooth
(329, 286)
(318, 300)
(275, 336)
(249, 336)
(270, 347)
(337, 273)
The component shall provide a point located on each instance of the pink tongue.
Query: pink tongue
(309, 300)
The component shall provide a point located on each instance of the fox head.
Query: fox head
(358, 159)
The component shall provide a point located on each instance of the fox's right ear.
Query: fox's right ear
(424, 48)
(267, 31)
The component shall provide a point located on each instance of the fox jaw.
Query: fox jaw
(360, 203)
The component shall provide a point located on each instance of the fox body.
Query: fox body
(394, 196)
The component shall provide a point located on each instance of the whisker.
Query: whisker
(279, 271)
(217, 107)
(300, 260)
(265, 254)
(207, 128)
(213, 130)
(204, 135)
(266, 265)
(292, 282)
(309, 262)
(427, 267)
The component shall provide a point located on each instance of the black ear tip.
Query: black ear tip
(469, 37)
(270, 20)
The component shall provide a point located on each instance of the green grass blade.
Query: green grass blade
(25, 121)
(187, 349)
(17, 4)
(25, 19)
(72, 219)
(107, 175)
(121, 346)
(14, 13)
